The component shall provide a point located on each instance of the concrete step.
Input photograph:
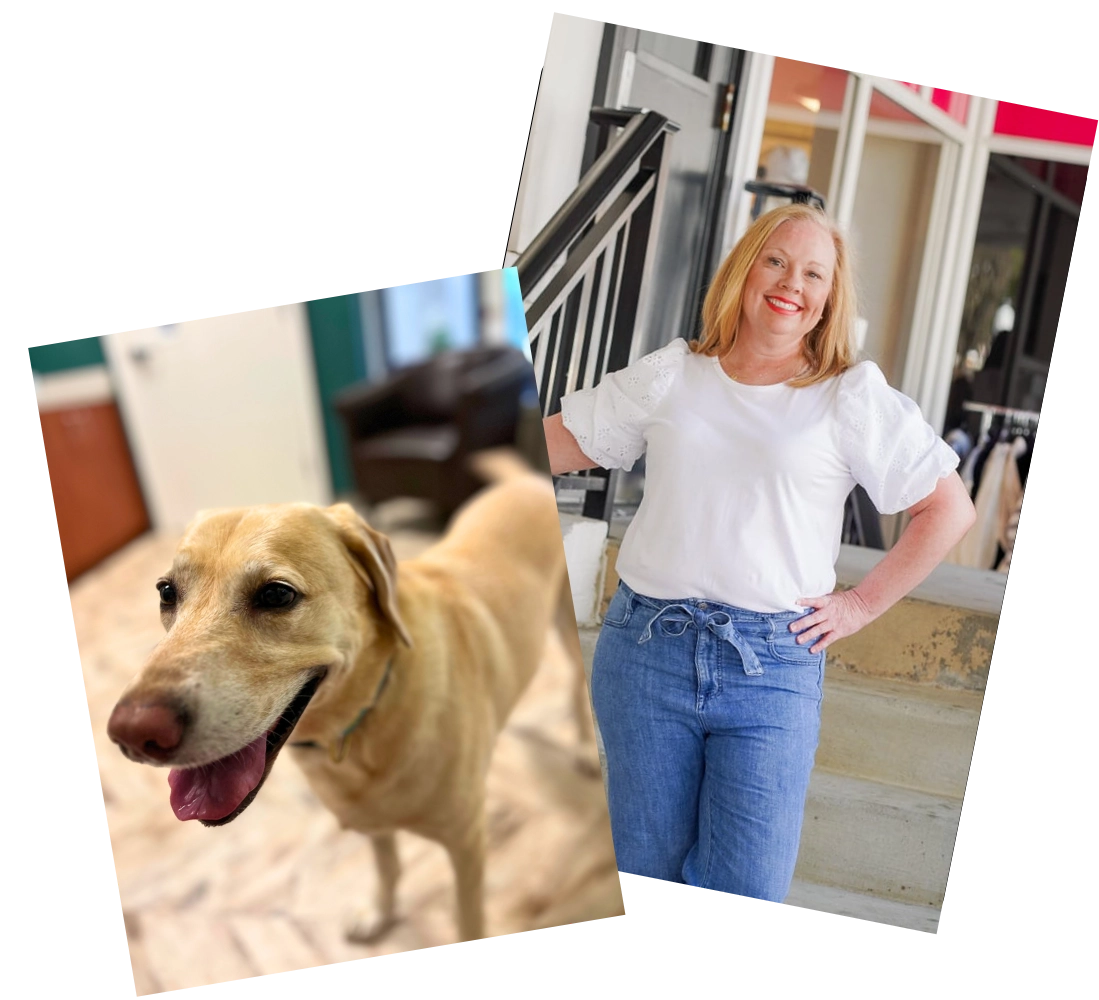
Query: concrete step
(960, 587)
(917, 736)
(941, 635)
(868, 837)
(845, 903)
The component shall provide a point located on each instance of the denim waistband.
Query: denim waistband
(705, 604)
(727, 622)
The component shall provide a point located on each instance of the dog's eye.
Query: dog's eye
(275, 595)
(168, 595)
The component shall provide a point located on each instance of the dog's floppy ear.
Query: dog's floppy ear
(373, 559)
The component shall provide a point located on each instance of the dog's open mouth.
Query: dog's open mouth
(218, 792)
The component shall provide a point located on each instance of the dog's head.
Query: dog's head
(265, 608)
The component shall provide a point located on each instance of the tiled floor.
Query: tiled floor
(270, 892)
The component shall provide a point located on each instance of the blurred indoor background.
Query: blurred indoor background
(375, 398)
(141, 429)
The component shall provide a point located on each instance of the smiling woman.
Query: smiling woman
(707, 677)
(782, 304)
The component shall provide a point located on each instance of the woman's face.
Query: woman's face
(789, 283)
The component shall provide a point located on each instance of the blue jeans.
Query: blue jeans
(709, 716)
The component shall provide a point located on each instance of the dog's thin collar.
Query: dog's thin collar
(337, 750)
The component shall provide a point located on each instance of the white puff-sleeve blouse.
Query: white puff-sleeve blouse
(745, 484)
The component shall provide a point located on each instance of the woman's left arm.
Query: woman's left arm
(937, 523)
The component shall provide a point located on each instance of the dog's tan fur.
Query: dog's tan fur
(463, 628)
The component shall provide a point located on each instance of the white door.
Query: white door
(687, 82)
(222, 412)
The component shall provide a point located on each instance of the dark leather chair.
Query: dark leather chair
(411, 436)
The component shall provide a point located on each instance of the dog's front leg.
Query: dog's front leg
(467, 855)
(371, 924)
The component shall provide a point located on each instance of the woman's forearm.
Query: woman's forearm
(937, 524)
(564, 453)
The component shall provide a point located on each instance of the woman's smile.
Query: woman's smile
(781, 305)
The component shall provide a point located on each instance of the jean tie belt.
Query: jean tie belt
(681, 616)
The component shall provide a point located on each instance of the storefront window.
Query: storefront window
(1008, 212)
(955, 105)
(1025, 235)
(1028, 378)
(1069, 179)
(803, 119)
(1039, 168)
(884, 109)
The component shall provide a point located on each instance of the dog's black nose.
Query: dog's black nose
(151, 730)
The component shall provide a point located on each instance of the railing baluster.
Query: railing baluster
(538, 340)
(551, 359)
(582, 276)
(612, 305)
(579, 343)
(564, 353)
(597, 303)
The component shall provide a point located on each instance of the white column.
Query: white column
(838, 158)
(957, 257)
(843, 206)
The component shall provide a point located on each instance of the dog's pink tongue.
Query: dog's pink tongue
(215, 790)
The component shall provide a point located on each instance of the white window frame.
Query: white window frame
(955, 208)
(935, 386)
(921, 374)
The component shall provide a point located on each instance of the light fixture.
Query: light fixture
(811, 103)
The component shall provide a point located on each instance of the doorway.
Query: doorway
(694, 84)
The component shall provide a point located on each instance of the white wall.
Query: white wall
(555, 148)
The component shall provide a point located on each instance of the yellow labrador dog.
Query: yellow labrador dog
(293, 623)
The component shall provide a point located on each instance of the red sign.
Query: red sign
(1035, 123)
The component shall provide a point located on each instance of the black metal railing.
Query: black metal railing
(582, 276)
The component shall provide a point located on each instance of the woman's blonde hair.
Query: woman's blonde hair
(829, 346)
